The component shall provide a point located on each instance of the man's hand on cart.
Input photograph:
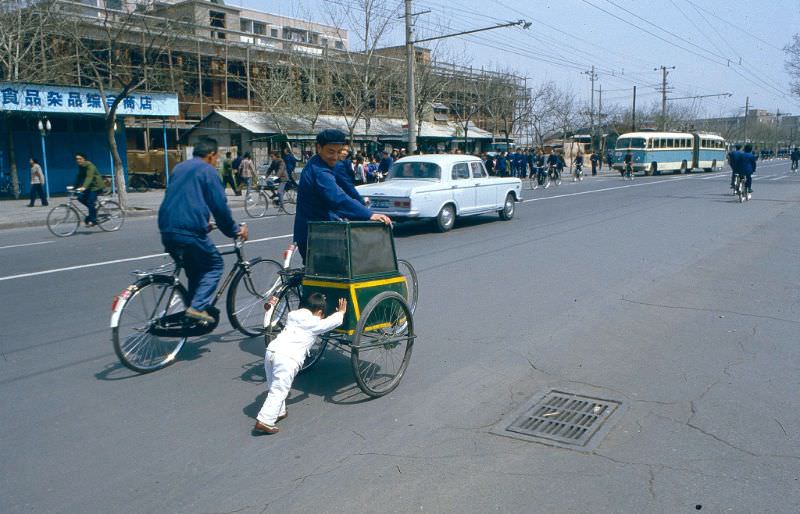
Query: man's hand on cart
(382, 218)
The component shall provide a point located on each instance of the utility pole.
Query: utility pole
(592, 77)
(746, 114)
(664, 74)
(411, 115)
(600, 115)
(778, 115)
(410, 93)
(633, 115)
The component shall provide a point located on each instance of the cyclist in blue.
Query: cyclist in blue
(319, 197)
(194, 193)
(746, 165)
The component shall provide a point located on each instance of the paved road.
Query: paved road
(664, 294)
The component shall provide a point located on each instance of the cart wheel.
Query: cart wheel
(382, 344)
(408, 271)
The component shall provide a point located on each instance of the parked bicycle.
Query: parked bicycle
(148, 325)
(257, 201)
(64, 219)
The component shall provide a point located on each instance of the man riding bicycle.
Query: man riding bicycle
(795, 156)
(194, 193)
(319, 197)
(89, 183)
(745, 166)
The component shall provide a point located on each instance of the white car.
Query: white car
(441, 188)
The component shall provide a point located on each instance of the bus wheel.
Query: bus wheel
(683, 168)
(652, 170)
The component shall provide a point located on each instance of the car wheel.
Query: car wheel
(446, 218)
(507, 212)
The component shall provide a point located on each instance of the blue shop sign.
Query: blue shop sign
(37, 98)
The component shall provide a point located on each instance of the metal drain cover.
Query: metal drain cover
(563, 419)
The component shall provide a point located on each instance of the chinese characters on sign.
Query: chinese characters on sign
(37, 98)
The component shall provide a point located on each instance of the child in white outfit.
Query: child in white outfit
(286, 353)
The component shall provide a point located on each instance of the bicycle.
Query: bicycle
(577, 175)
(148, 325)
(64, 219)
(555, 175)
(257, 201)
(627, 173)
(793, 169)
(289, 291)
(740, 188)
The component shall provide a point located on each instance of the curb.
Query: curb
(133, 212)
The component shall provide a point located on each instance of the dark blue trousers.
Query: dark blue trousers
(89, 199)
(202, 263)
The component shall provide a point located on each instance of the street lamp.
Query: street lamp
(411, 115)
(45, 127)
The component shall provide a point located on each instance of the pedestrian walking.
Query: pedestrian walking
(37, 183)
(247, 171)
(227, 174)
(594, 159)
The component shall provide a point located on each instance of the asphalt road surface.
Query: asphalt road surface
(664, 294)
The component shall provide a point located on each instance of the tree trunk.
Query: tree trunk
(118, 172)
(12, 158)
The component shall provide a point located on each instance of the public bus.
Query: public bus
(659, 152)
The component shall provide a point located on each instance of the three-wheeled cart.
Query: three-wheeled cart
(356, 261)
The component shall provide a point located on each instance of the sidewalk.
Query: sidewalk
(16, 213)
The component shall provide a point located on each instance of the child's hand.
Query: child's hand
(342, 305)
(272, 302)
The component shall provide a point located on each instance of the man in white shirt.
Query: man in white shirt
(37, 183)
(286, 353)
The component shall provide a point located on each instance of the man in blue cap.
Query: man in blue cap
(319, 198)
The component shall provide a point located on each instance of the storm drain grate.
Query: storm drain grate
(564, 418)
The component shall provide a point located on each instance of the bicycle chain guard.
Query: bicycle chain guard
(178, 325)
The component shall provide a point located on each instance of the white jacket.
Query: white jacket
(302, 327)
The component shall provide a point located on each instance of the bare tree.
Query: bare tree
(124, 52)
(30, 51)
(358, 78)
(792, 63)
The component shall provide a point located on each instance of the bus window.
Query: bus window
(670, 143)
(649, 143)
(637, 142)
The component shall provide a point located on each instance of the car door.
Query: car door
(462, 187)
(485, 189)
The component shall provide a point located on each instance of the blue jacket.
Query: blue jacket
(385, 165)
(194, 193)
(344, 179)
(744, 162)
(319, 198)
(501, 163)
(291, 162)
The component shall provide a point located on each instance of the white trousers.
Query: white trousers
(280, 371)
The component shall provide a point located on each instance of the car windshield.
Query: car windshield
(630, 142)
(415, 170)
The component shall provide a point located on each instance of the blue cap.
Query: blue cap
(331, 137)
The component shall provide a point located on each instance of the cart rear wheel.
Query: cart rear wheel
(382, 344)
(412, 284)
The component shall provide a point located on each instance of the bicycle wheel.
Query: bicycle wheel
(253, 284)
(63, 220)
(382, 344)
(289, 201)
(256, 204)
(110, 216)
(408, 271)
(148, 301)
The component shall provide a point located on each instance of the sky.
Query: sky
(716, 46)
